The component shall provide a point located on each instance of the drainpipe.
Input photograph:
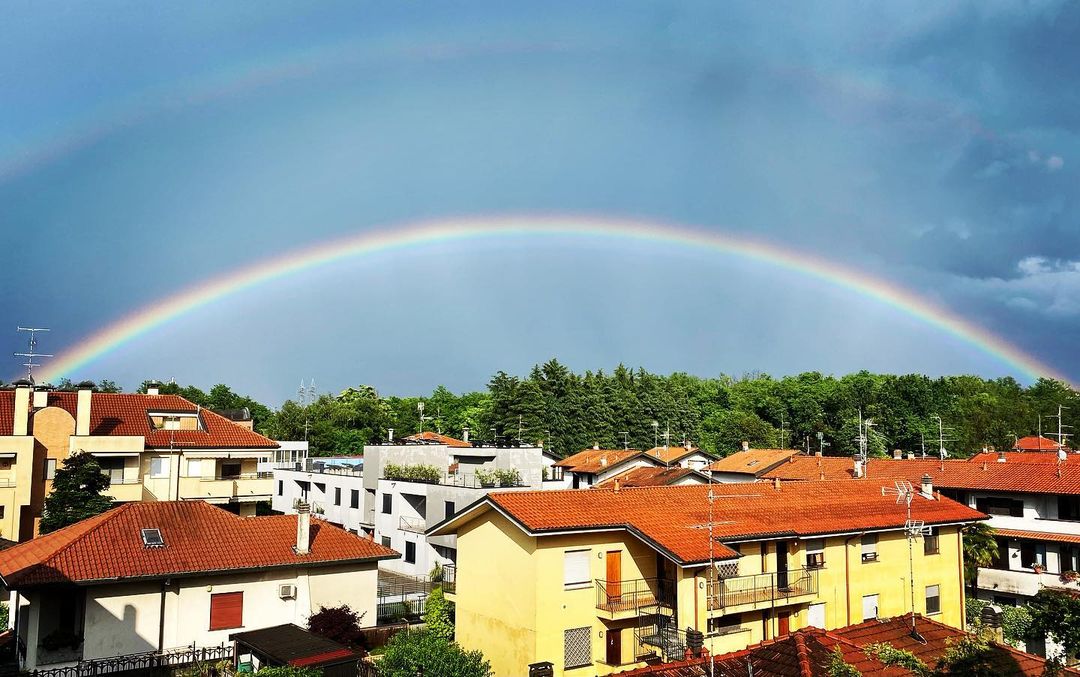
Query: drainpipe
(161, 618)
(960, 567)
(847, 575)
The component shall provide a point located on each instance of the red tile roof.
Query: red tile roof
(435, 438)
(597, 460)
(128, 414)
(1021, 457)
(1030, 478)
(671, 455)
(753, 461)
(649, 477)
(808, 652)
(199, 538)
(1036, 443)
(1037, 536)
(675, 518)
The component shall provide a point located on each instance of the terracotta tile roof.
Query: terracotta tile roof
(1046, 536)
(649, 477)
(435, 438)
(199, 538)
(753, 461)
(671, 455)
(596, 460)
(807, 653)
(675, 518)
(1020, 457)
(1036, 443)
(1030, 478)
(128, 414)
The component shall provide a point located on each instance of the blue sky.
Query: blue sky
(145, 147)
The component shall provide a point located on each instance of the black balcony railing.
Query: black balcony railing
(141, 663)
(449, 578)
(661, 633)
(616, 596)
(758, 588)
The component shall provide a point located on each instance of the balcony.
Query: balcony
(125, 490)
(660, 633)
(449, 579)
(414, 524)
(228, 488)
(770, 588)
(615, 597)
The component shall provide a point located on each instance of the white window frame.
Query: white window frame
(161, 473)
(576, 569)
(877, 606)
(194, 467)
(815, 550)
(50, 468)
(937, 594)
(869, 543)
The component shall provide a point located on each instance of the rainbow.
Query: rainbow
(433, 233)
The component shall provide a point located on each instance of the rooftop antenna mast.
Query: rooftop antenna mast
(655, 434)
(625, 439)
(32, 351)
(311, 392)
(821, 442)
(941, 438)
(782, 436)
(1061, 434)
(667, 436)
(300, 392)
(905, 493)
(521, 429)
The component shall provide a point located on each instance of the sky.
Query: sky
(149, 147)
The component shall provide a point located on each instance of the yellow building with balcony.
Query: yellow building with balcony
(153, 447)
(596, 581)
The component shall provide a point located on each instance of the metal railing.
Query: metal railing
(144, 663)
(466, 481)
(664, 636)
(414, 524)
(449, 578)
(630, 595)
(241, 476)
(758, 588)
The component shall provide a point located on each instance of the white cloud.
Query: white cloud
(1054, 163)
(1045, 286)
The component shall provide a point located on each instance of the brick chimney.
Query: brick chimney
(82, 409)
(303, 528)
(22, 407)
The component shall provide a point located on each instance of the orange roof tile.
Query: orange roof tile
(649, 477)
(1036, 443)
(596, 460)
(675, 518)
(753, 461)
(671, 455)
(1017, 457)
(1037, 535)
(199, 538)
(435, 438)
(128, 414)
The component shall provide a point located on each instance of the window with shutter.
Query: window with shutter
(933, 599)
(577, 647)
(226, 610)
(576, 569)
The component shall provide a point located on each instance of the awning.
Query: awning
(1044, 536)
(7, 454)
(248, 453)
(112, 454)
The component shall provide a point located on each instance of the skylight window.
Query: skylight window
(151, 538)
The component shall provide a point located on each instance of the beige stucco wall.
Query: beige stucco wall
(21, 474)
(121, 619)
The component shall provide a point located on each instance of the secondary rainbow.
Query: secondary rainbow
(432, 233)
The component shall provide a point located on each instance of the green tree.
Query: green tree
(838, 667)
(408, 654)
(438, 614)
(968, 656)
(288, 671)
(340, 624)
(76, 493)
(1056, 614)
(980, 550)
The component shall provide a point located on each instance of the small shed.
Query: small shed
(291, 645)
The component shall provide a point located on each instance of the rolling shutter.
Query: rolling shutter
(226, 610)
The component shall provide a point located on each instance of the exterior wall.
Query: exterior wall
(292, 489)
(16, 484)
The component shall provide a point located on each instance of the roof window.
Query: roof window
(151, 538)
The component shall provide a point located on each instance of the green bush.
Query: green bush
(288, 672)
(413, 473)
(508, 478)
(438, 615)
(3, 616)
(486, 478)
(890, 655)
(423, 652)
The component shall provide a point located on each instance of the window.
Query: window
(410, 552)
(280, 488)
(1032, 554)
(159, 467)
(170, 422)
(576, 568)
(385, 540)
(869, 607)
(1070, 558)
(815, 615)
(2, 512)
(337, 495)
(577, 647)
(725, 625)
(226, 610)
(194, 468)
(1006, 507)
(230, 471)
(113, 468)
(151, 538)
(815, 553)
(930, 544)
(933, 599)
(449, 509)
(354, 498)
(1069, 508)
(387, 504)
(50, 468)
(869, 548)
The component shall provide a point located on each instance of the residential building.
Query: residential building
(810, 652)
(153, 447)
(155, 576)
(647, 476)
(686, 456)
(1032, 498)
(333, 486)
(1038, 443)
(596, 581)
(593, 466)
(748, 464)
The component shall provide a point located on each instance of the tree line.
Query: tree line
(570, 411)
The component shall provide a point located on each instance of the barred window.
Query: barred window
(577, 647)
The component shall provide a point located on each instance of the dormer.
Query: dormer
(175, 420)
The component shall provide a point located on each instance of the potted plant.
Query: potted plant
(1069, 576)
(485, 478)
(1038, 568)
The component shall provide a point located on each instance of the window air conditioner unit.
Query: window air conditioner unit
(286, 591)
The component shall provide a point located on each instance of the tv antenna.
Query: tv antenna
(905, 493)
(655, 434)
(31, 351)
(521, 428)
(420, 409)
(821, 442)
(300, 392)
(1061, 434)
(941, 438)
(667, 436)
(782, 436)
(625, 439)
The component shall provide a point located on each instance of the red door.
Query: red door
(614, 576)
(614, 647)
(784, 618)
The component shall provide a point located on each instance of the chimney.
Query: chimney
(1001, 457)
(911, 456)
(776, 483)
(596, 447)
(927, 487)
(616, 485)
(818, 453)
(858, 469)
(390, 435)
(41, 397)
(22, 407)
(897, 454)
(745, 446)
(303, 528)
(153, 388)
(82, 409)
(464, 434)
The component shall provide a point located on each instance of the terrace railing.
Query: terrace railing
(630, 595)
(770, 587)
(148, 662)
